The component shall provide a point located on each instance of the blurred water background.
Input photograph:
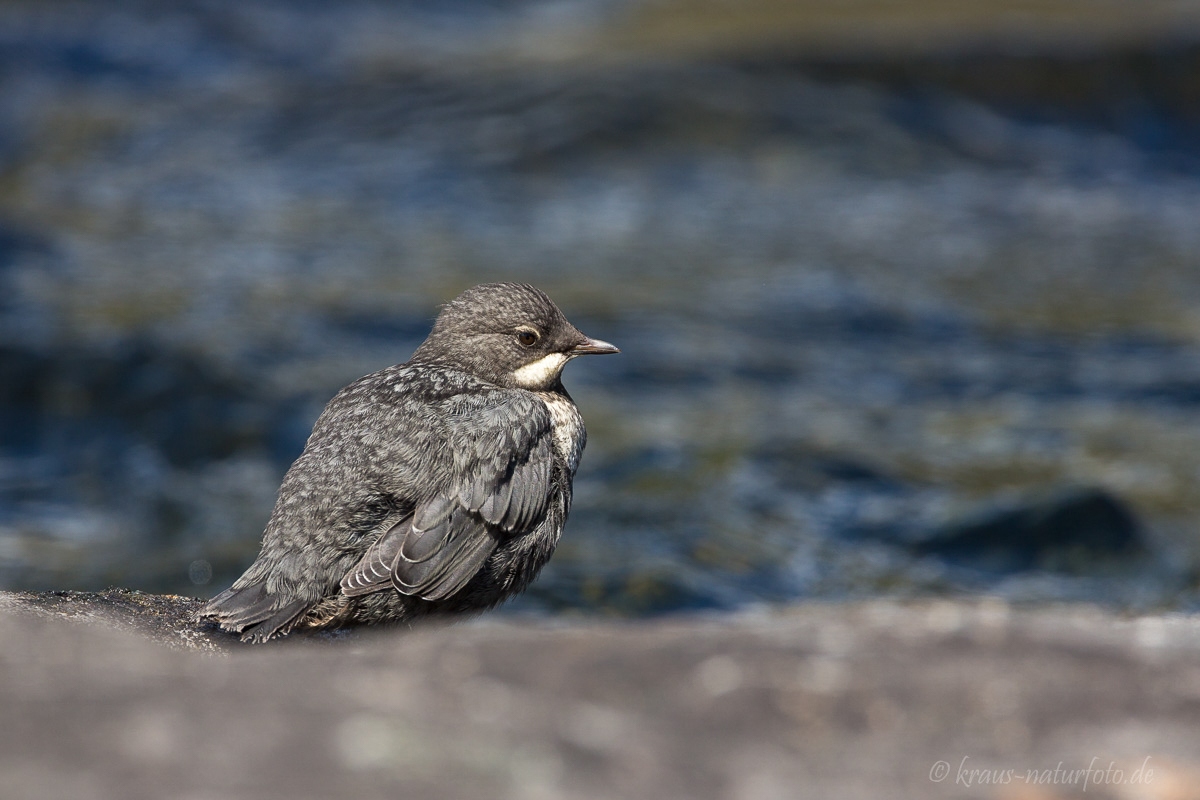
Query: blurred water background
(908, 294)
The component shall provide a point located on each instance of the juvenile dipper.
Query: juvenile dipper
(437, 486)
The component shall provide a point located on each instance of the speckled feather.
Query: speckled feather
(436, 486)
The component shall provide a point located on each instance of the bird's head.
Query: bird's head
(507, 333)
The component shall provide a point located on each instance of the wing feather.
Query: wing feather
(497, 482)
(374, 571)
(463, 545)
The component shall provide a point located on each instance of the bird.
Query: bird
(435, 487)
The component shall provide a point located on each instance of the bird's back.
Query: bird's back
(384, 445)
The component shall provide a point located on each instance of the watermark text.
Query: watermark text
(1096, 773)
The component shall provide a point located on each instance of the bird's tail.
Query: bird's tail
(253, 612)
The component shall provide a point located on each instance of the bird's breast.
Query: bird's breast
(569, 433)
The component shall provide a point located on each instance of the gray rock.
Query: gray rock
(944, 699)
(1068, 530)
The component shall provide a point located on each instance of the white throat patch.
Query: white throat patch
(540, 373)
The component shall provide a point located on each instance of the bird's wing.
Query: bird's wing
(374, 570)
(500, 446)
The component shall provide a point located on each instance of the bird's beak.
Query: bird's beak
(592, 347)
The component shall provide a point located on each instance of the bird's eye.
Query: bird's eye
(526, 337)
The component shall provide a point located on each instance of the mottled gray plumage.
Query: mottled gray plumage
(436, 486)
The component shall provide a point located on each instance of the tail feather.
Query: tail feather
(252, 610)
(235, 608)
(279, 622)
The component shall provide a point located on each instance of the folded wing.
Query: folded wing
(498, 449)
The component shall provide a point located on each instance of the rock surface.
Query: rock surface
(941, 699)
(1084, 525)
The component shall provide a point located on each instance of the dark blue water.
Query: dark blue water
(867, 308)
